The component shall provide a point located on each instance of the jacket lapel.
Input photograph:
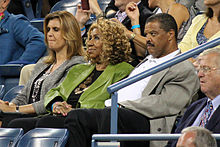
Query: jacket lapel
(100, 81)
(155, 79)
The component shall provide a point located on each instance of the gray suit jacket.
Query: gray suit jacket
(51, 81)
(166, 95)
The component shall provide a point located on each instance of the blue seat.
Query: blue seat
(71, 6)
(12, 93)
(44, 137)
(10, 136)
(2, 90)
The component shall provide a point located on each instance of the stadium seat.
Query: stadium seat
(12, 93)
(10, 136)
(44, 137)
(71, 6)
(9, 75)
(2, 90)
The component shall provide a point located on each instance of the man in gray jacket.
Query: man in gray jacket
(150, 105)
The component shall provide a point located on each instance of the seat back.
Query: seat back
(68, 5)
(12, 93)
(2, 90)
(10, 136)
(71, 6)
(44, 137)
(9, 75)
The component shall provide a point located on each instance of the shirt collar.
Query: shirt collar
(163, 59)
(215, 102)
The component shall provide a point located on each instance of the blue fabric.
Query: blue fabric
(20, 41)
(200, 36)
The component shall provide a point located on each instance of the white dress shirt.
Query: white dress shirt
(134, 91)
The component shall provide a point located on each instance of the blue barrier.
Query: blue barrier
(137, 137)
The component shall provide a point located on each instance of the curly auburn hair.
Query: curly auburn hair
(116, 46)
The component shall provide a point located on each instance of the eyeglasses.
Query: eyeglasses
(206, 69)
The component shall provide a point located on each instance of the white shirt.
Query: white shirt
(134, 91)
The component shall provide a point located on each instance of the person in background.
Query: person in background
(122, 17)
(85, 86)
(64, 42)
(204, 27)
(196, 137)
(205, 112)
(20, 41)
(173, 8)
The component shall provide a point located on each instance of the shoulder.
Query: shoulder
(197, 103)
(123, 66)
(177, 7)
(184, 68)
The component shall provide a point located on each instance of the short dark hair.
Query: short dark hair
(167, 22)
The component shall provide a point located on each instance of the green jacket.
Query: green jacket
(96, 94)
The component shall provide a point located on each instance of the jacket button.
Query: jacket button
(159, 129)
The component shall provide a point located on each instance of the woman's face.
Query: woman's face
(94, 44)
(55, 38)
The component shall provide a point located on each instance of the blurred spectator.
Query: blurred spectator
(62, 36)
(20, 41)
(205, 112)
(16, 7)
(183, 19)
(121, 16)
(195, 6)
(196, 137)
(85, 86)
(204, 27)
(149, 105)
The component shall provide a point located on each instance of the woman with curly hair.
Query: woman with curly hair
(85, 86)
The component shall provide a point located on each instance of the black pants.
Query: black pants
(83, 123)
(48, 121)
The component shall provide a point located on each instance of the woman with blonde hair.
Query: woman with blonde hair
(64, 42)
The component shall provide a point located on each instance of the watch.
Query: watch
(17, 108)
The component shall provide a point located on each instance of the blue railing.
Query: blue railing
(136, 137)
(112, 89)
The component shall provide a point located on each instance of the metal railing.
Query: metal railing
(137, 137)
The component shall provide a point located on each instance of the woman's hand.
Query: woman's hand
(61, 108)
(82, 16)
(133, 12)
(4, 106)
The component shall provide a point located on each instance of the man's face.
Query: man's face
(121, 4)
(157, 40)
(209, 75)
(186, 140)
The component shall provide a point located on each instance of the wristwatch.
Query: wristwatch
(17, 108)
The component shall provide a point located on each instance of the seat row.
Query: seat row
(44, 137)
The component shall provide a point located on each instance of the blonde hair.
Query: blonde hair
(116, 46)
(70, 31)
